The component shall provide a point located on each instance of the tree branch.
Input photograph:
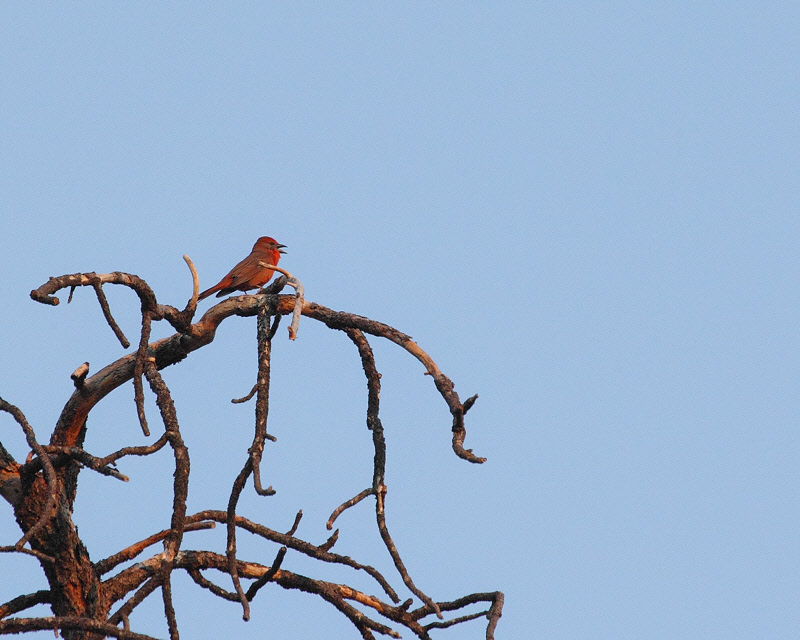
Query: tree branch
(47, 467)
(24, 625)
(146, 576)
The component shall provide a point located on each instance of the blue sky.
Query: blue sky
(587, 214)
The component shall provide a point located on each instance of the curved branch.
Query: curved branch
(175, 348)
(379, 470)
(191, 306)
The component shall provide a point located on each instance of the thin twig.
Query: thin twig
(144, 450)
(399, 565)
(296, 523)
(332, 540)
(138, 371)
(454, 621)
(28, 552)
(129, 553)
(204, 582)
(496, 598)
(346, 505)
(268, 575)
(75, 453)
(191, 306)
(135, 600)
(169, 608)
(97, 285)
(246, 398)
(230, 521)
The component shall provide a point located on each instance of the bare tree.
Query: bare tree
(90, 600)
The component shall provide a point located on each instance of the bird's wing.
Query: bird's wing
(244, 272)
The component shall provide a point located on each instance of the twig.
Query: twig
(129, 553)
(266, 311)
(268, 575)
(79, 375)
(204, 582)
(169, 608)
(181, 453)
(28, 552)
(20, 603)
(246, 398)
(230, 521)
(191, 306)
(346, 505)
(97, 285)
(74, 453)
(450, 623)
(496, 598)
(144, 450)
(138, 371)
(296, 523)
(135, 600)
(399, 565)
(332, 540)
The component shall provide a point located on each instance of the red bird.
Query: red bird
(248, 274)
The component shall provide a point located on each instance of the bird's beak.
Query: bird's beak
(280, 248)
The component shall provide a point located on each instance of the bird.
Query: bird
(248, 274)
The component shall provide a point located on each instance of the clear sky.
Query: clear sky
(587, 213)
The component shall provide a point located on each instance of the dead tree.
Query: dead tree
(95, 599)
